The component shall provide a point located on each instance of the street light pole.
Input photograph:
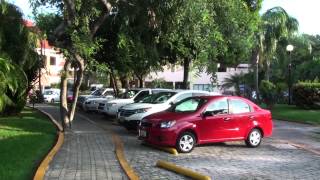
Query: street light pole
(289, 49)
(257, 79)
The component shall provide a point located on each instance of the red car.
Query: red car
(70, 97)
(207, 119)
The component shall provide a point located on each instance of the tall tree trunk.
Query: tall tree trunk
(268, 70)
(110, 80)
(114, 82)
(186, 69)
(255, 64)
(80, 65)
(63, 95)
(124, 82)
(141, 81)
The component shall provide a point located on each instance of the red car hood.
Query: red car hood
(165, 115)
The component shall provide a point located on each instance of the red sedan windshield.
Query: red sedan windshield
(188, 105)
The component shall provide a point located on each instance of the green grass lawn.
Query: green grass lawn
(24, 141)
(293, 113)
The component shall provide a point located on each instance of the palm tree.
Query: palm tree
(17, 58)
(234, 81)
(13, 84)
(276, 24)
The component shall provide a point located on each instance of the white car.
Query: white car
(133, 95)
(51, 95)
(98, 93)
(91, 104)
(131, 114)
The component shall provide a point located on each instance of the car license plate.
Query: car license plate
(142, 133)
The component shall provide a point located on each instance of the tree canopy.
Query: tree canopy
(18, 59)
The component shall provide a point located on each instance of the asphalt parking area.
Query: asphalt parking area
(274, 159)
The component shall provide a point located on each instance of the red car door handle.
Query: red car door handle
(251, 117)
(226, 119)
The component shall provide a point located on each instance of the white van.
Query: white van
(51, 95)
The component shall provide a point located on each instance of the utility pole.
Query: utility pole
(257, 78)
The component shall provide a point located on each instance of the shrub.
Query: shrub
(307, 95)
(268, 93)
(281, 89)
(160, 83)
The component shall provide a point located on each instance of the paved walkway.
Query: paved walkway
(87, 152)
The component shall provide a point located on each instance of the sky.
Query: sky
(307, 12)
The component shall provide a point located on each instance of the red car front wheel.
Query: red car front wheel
(186, 142)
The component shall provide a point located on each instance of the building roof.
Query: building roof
(31, 25)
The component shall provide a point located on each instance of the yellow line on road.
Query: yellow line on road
(182, 170)
(45, 163)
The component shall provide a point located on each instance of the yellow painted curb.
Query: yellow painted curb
(122, 159)
(166, 149)
(182, 170)
(39, 175)
(45, 163)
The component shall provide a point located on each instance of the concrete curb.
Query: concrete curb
(40, 173)
(300, 146)
(181, 170)
(297, 121)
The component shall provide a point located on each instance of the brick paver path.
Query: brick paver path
(87, 153)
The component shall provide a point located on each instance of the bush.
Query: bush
(307, 95)
(282, 92)
(160, 83)
(268, 93)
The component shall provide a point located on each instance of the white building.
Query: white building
(198, 81)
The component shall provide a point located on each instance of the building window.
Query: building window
(52, 61)
(203, 87)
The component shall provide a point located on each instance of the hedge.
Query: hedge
(306, 95)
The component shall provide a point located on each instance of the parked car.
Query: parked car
(207, 119)
(70, 97)
(98, 93)
(51, 95)
(94, 87)
(91, 104)
(131, 96)
(130, 115)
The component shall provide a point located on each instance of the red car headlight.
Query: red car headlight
(167, 124)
